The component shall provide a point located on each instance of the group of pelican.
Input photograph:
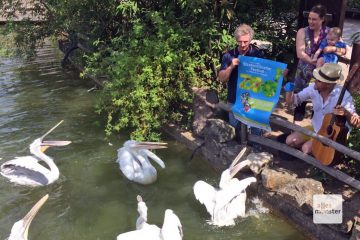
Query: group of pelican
(224, 204)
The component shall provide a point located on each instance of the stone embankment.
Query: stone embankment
(287, 190)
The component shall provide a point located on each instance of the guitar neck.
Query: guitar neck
(343, 90)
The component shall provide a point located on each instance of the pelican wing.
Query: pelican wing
(25, 170)
(23, 165)
(150, 232)
(172, 228)
(205, 193)
(127, 163)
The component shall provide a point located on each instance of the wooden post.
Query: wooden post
(354, 85)
(336, 8)
(355, 54)
(243, 133)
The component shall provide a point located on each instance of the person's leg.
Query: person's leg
(259, 132)
(233, 121)
(295, 139)
(307, 147)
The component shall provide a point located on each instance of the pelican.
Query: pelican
(228, 201)
(141, 221)
(27, 170)
(133, 159)
(171, 229)
(20, 229)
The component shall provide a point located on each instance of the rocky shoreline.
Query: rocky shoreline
(287, 186)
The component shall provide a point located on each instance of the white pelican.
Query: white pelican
(133, 159)
(20, 229)
(27, 170)
(141, 221)
(171, 229)
(228, 202)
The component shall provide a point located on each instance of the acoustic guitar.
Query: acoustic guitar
(334, 128)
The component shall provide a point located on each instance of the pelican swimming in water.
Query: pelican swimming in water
(133, 159)
(20, 229)
(171, 229)
(27, 170)
(228, 201)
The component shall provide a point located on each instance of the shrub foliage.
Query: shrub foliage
(154, 52)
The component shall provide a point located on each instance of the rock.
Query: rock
(258, 161)
(218, 130)
(301, 192)
(204, 108)
(230, 151)
(275, 179)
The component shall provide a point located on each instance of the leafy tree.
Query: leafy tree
(154, 52)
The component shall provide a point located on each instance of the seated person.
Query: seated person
(330, 47)
(324, 94)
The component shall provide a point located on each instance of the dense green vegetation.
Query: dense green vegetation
(154, 52)
(353, 4)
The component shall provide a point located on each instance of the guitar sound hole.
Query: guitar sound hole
(329, 130)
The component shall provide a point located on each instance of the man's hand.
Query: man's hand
(340, 110)
(234, 62)
(353, 119)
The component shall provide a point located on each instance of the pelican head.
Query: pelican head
(142, 210)
(144, 147)
(40, 146)
(134, 160)
(233, 169)
(20, 229)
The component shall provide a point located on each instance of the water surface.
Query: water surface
(92, 200)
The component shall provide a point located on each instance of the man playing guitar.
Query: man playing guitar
(324, 94)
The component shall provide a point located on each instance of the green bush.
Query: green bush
(154, 52)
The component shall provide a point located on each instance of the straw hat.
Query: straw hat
(329, 73)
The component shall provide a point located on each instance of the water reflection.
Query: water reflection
(91, 199)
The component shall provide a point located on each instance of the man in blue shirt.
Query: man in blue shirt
(229, 66)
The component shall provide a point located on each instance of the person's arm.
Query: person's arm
(338, 50)
(289, 97)
(289, 93)
(352, 118)
(316, 55)
(298, 98)
(300, 47)
(225, 73)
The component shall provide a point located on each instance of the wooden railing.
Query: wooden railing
(278, 121)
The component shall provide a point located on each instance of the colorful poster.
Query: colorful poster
(257, 91)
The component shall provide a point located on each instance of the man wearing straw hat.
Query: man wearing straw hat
(324, 94)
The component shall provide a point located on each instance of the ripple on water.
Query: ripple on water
(92, 199)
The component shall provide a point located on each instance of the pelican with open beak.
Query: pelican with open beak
(227, 202)
(20, 229)
(27, 170)
(134, 160)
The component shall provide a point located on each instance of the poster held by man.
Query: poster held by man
(258, 89)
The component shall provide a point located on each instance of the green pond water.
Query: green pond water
(92, 199)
